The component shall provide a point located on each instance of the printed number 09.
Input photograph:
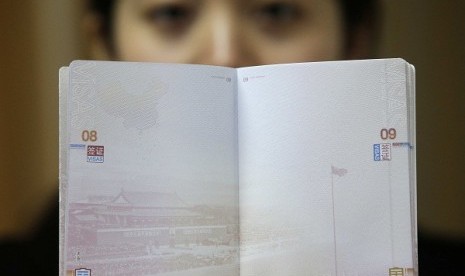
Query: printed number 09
(388, 133)
(87, 135)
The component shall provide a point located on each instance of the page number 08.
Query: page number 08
(89, 135)
(388, 133)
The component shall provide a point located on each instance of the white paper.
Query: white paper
(295, 169)
(308, 174)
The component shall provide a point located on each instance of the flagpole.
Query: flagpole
(334, 219)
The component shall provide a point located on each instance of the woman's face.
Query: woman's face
(228, 32)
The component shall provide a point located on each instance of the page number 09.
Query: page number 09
(89, 135)
(388, 134)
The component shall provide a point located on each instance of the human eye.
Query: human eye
(170, 17)
(277, 14)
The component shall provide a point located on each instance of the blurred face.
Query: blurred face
(228, 32)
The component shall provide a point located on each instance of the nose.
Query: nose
(225, 42)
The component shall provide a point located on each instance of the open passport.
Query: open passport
(289, 169)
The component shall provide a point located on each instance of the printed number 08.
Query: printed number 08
(388, 133)
(87, 135)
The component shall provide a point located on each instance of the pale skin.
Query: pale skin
(231, 33)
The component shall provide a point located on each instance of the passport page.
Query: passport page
(149, 170)
(326, 169)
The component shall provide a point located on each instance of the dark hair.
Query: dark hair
(357, 14)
